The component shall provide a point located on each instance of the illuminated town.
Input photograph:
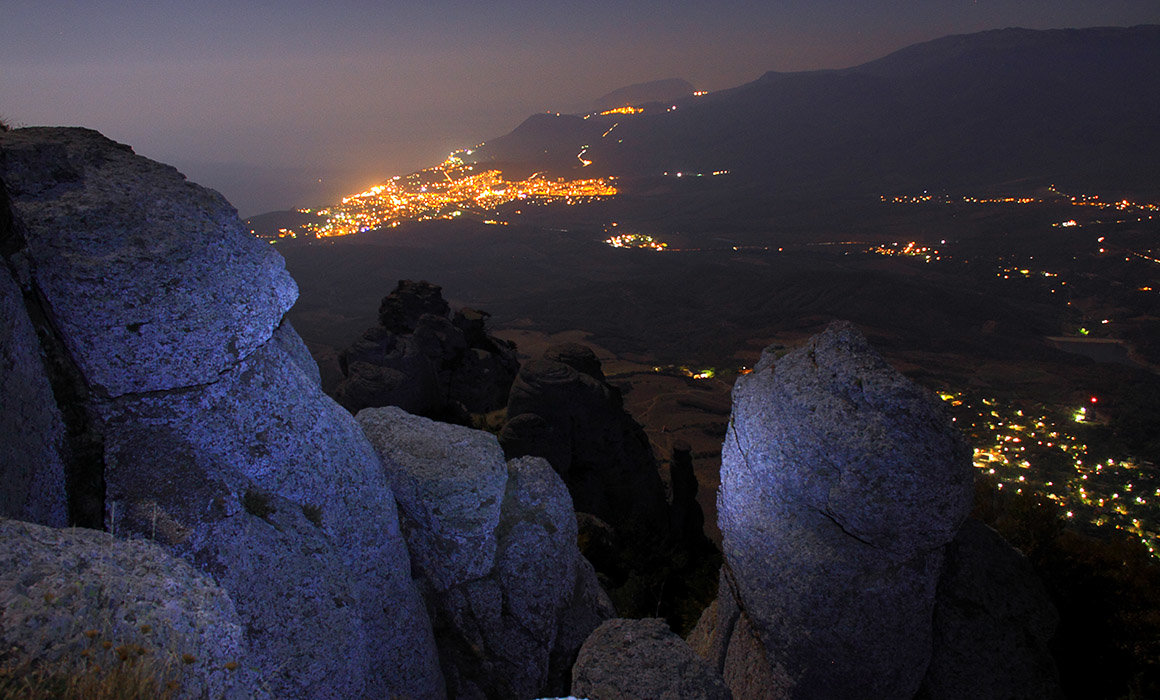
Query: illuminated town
(1052, 454)
(636, 240)
(451, 189)
(912, 249)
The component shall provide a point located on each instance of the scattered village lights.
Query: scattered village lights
(1035, 452)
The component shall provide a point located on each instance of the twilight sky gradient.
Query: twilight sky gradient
(261, 100)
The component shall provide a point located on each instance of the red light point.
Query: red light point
(1095, 400)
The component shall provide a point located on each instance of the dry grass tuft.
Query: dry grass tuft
(103, 671)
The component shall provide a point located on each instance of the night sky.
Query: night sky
(291, 103)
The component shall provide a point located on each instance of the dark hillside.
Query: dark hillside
(1070, 107)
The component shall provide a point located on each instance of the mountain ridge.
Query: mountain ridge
(960, 111)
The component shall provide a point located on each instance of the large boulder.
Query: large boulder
(75, 599)
(495, 544)
(449, 481)
(643, 659)
(204, 425)
(153, 281)
(842, 482)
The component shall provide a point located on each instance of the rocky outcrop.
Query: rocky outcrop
(495, 544)
(205, 425)
(652, 556)
(992, 624)
(75, 599)
(643, 659)
(139, 311)
(842, 484)
(426, 360)
(849, 571)
(563, 410)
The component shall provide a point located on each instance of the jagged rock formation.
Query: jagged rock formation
(562, 409)
(510, 594)
(652, 556)
(643, 659)
(843, 487)
(426, 360)
(194, 419)
(66, 593)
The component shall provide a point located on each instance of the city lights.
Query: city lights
(447, 191)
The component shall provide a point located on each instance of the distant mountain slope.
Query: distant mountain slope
(1075, 107)
(666, 90)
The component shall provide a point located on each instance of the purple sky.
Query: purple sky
(261, 100)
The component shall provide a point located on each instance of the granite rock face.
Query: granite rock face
(426, 360)
(725, 637)
(992, 624)
(65, 593)
(153, 281)
(643, 659)
(272, 487)
(207, 426)
(842, 484)
(511, 597)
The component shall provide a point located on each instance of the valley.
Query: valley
(1012, 267)
(977, 300)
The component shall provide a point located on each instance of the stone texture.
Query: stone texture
(268, 484)
(511, 597)
(642, 659)
(449, 481)
(64, 593)
(201, 416)
(992, 624)
(32, 463)
(152, 281)
(289, 342)
(842, 482)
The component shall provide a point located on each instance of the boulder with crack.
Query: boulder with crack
(842, 483)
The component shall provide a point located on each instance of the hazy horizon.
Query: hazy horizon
(293, 104)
